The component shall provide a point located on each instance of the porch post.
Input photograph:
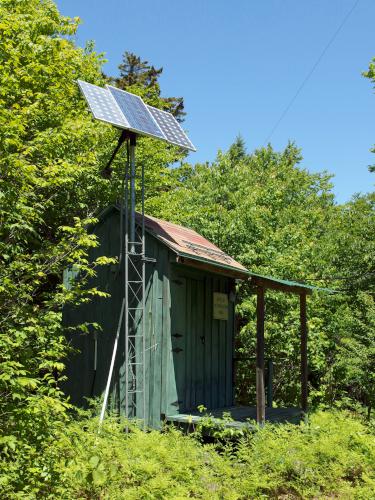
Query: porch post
(303, 320)
(260, 394)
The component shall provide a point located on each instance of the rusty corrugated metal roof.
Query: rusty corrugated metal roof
(197, 250)
(188, 243)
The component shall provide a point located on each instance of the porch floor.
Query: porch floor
(240, 416)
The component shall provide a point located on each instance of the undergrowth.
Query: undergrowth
(331, 457)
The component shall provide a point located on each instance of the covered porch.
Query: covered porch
(263, 411)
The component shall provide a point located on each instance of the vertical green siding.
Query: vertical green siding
(201, 344)
(215, 384)
(151, 332)
(186, 396)
(208, 393)
(229, 350)
(202, 370)
(222, 348)
(157, 352)
(103, 311)
(178, 337)
(167, 378)
(178, 315)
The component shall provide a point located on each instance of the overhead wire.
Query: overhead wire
(308, 76)
(345, 278)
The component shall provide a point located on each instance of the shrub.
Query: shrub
(78, 462)
(332, 456)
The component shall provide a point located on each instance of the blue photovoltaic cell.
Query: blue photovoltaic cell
(128, 111)
(103, 106)
(171, 128)
(136, 113)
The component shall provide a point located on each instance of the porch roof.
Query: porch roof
(285, 285)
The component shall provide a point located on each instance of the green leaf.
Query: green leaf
(94, 461)
(99, 477)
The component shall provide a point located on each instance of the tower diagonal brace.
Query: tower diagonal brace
(134, 292)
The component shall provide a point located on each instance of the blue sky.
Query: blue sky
(239, 63)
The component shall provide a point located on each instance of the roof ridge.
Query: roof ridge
(185, 228)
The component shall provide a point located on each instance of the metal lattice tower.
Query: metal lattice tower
(134, 283)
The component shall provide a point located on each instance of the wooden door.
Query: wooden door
(200, 369)
(187, 342)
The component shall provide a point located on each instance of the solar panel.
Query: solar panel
(171, 128)
(135, 110)
(103, 106)
(128, 111)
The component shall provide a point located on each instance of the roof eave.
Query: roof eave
(285, 286)
(188, 259)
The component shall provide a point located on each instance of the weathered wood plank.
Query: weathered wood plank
(260, 395)
(241, 414)
(188, 400)
(304, 367)
(220, 271)
(179, 334)
(208, 343)
(154, 334)
(168, 385)
(222, 343)
(200, 345)
(230, 347)
(215, 350)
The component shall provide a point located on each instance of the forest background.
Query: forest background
(260, 207)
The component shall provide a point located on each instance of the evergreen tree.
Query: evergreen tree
(137, 73)
(237, 150)
(134, 71)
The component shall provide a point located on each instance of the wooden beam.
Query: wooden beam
(276, 285)
(212, 268)
(260, 394)
(304, 367)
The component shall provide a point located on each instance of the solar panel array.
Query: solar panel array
(128, 111)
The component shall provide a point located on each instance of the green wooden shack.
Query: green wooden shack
(189, 323)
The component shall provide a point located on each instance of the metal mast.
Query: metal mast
(134, 272)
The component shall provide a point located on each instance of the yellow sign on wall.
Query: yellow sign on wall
(220, 306)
